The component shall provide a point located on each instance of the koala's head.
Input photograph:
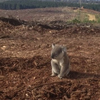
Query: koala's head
(57, 51)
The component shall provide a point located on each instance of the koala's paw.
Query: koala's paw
(53, 75)
(59, 76)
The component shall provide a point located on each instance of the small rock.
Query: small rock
(34, 77)
(50, 31)
(26, 94)
(3, 47)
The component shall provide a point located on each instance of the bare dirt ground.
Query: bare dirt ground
(41, 14)
(25, 62)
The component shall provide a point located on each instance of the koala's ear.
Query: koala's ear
(64, 49)
(53, 45)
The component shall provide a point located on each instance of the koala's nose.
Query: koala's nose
(52, 56)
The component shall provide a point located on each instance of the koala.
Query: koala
(59, 61)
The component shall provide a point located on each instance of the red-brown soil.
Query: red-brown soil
(25, 62)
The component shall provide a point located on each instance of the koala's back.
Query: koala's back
(66, 58)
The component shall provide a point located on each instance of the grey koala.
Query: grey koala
(59, 61)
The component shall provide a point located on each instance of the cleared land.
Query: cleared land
(25, 62)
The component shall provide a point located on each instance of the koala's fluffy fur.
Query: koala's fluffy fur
(59, 61)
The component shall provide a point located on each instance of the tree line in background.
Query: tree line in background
(28, 4)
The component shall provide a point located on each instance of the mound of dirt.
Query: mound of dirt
(12, 21)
